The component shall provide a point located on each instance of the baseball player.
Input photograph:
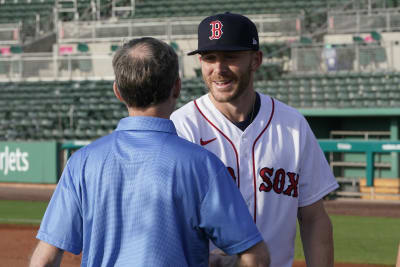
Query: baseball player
(267, 146)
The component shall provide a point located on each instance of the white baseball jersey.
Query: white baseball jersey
(276, 162)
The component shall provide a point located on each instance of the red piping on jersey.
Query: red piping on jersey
(254, 164)
(226, 137)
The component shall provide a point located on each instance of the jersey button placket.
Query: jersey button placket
(244, 147)
(245, 164)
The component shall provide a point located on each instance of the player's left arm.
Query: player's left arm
(316, 235)
(46, 255)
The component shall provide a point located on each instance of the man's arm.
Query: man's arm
(46, 255)
(316, 235)
(257, 256)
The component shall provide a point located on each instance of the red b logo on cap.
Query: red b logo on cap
(216, 29)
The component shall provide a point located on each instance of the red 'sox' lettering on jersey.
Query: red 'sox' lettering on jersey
(216, 30)
(294, 180)
(265, 173)
(277, 183)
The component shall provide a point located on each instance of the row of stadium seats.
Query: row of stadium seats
(202, 8)
(324, 3)
(336, 90)
(175, 8)
(21, 13)
(166, 8)
(64, 110)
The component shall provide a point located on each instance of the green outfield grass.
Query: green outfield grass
(21, 212)
(372, 240)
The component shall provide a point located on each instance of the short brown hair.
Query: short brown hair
(145, 71)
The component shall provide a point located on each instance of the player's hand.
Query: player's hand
(218, 258)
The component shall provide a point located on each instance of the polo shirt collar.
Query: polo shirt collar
(145, 123)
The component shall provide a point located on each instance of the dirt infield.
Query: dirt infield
(18, 242)
(356, 207)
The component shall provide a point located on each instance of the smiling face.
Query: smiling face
(228, 75)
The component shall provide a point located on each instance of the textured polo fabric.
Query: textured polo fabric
(142, 196)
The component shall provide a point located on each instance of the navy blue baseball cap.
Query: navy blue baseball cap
(226, 32)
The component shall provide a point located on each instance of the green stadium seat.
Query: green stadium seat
(330, 97)
(294, 100)
(395, 103)
(357, 103)
(68, 134)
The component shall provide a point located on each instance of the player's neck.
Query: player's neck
(238, 109)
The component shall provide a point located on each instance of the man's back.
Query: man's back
(147, 197)
(141, 196)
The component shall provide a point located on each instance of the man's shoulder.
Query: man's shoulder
(97, 147)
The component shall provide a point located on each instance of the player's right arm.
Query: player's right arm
(46, 255)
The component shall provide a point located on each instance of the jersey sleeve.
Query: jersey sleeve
(225, 217)
(61, 225)
(316, 177)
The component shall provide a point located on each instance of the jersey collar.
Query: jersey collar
(144, 123)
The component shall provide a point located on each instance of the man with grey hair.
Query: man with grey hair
(142, 196)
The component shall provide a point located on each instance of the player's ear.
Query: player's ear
(256, 60)
(117, 93)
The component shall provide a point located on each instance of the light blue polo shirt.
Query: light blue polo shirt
(142, 196)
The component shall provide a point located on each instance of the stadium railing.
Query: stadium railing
(10, 34)
(304, 59)
(357, 57)
(358, 21)
(51, 66)
(368, 147)
(166, 28)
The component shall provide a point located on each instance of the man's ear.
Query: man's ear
(256, 60)
(176, 90)
(117, 93)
